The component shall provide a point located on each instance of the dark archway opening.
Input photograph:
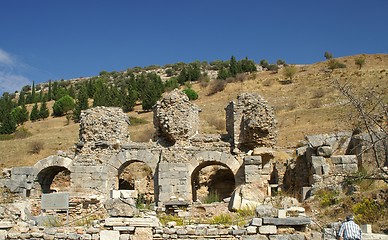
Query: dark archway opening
(54, 179)
(212, 182)
(136, 175)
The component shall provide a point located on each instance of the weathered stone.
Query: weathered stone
(142, 233)
(287, 237)
(254, 237)
(266, 211)
(324, 151)
(251, 229)
(120, 207)
(175, 117)
(256, 222)
(109, 235)
(251, 122)
(252, 160)
(290, 221)
(239, 232)
(268, 229)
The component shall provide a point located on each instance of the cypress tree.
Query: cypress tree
(50, 92)
(34, 115)
(7, 121)
(233, 69)
(24, 114)
(33, 94)
(81, 103)
(43, 110)
(21, 100)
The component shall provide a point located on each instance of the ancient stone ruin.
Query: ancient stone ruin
(180, 167)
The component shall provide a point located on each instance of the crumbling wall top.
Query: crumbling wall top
(175, 118)
(103, 127)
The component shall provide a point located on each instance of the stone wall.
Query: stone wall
(175, 118)
(251, 122)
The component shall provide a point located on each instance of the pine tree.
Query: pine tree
(34, 115)
(43, 110)
(130, 100)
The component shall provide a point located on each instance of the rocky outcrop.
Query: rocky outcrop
(175, 118)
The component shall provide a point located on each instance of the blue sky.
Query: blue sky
(46, 39)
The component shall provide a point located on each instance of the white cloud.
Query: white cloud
(10, 82)
(5, 59)
(10, 78)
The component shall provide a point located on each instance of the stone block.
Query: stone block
(109, 235)
(324, 151)
(266, 211)
(316, 140)
(301, 151)
(317, 162)
(366, 228)
(181, 231)
(212, 231)
(344, 159)
(282, 213)
(256, 222)
(290, 221)
(373, 236)
(239, 232)
(3, 234)
(125, 237)
(287, 237)
(251, 229)
(23, 171)
(268, 229)
(252, 160)
(254, 237)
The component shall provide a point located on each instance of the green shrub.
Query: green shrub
(327, 197)
(334, 64)
(191, 94)
(137, 121)
(247, 211)
(212, 197)
(223, 218)
(164, 219)
(368, 211)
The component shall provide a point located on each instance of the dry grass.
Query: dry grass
(296, 114)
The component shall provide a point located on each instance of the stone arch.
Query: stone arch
(47, 169)
(126, 158)
(219, 180)
(228, 173)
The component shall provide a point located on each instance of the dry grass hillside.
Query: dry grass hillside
(311, 104)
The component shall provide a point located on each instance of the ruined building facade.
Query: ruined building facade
(172, 164)
(173, 160)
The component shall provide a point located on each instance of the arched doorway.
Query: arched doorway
(212, 181)
(54, 179)
(137, 175)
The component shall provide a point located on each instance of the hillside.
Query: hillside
(311, 104)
